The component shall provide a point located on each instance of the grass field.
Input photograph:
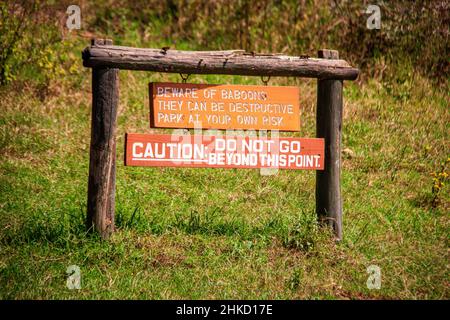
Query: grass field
(226, 233)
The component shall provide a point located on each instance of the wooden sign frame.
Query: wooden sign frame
(106, 60)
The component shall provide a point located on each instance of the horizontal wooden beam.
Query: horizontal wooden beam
(232, 62)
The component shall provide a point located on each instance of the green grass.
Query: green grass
(224, 233)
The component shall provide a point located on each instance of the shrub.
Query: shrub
(30, 38)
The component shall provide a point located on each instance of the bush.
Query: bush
(30, 38)
(304, 232)
(411, 32)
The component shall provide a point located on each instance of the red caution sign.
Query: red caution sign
(166, 150)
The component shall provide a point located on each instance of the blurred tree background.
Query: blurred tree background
(412, 33)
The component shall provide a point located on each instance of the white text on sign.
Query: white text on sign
(224, 152)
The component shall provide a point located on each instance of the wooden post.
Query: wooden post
(329, 125)
(230, 62)
(102, 162)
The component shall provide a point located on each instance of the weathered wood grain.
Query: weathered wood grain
(233, 62)
(329, 126)
(102, 163)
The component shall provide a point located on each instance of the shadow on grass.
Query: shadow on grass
(428, 201)
(297, 232)
(57, 228)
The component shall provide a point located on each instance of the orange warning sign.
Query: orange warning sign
(209, 106)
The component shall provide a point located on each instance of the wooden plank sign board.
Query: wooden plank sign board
(210, 106)
(166, 150)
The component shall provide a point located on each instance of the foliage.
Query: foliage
(31, 43)
(411, 32)
(439, 179)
